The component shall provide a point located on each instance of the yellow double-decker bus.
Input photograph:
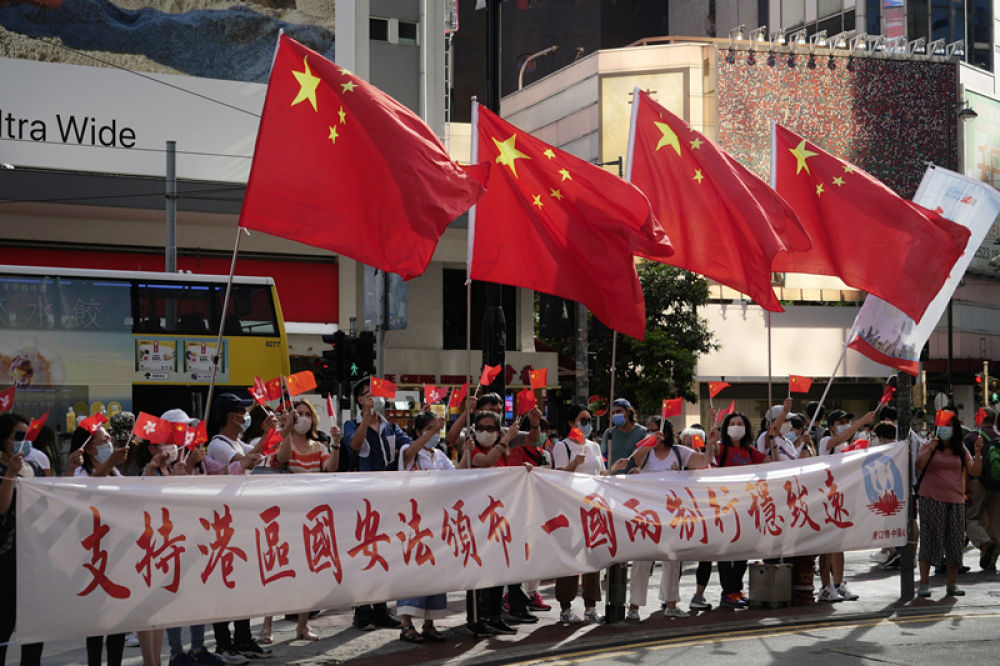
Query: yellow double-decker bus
(77, 341)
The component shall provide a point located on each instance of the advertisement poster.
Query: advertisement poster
(156, 357)
(198, 355)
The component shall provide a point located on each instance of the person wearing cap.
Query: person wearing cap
(619, 441)
(831, 565)
(772, 439)
(983, 512)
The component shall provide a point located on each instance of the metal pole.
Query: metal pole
(382, 319)
(582, 379)
(769, 400)
(222, 324)
(951, 335)
(904, 399)
(170, 262)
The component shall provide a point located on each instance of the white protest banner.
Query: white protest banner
(882, 332)
(104, 555)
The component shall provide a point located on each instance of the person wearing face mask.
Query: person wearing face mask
(581, 456)
(944, 460)
(982, 515)
(13, 464)
(373, 442)
(620, 439)
(489, 402)
(773, 438)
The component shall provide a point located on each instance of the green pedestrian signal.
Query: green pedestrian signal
(354, 369)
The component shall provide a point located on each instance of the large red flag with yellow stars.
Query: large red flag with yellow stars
(341, 165)
(554, 223)
(863, 232)
(724, 221)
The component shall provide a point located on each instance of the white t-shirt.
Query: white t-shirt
(39, 458)
(427, 459)
(565, 450)
(669, 463)
(222, 449)
(786, 447)
(824, 446)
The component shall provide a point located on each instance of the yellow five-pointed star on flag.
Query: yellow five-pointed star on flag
(819, 189)
(349, 86)
(848, 169)
(536, 200)
(838, 181)
(668, 137)
(509, 153)
(556, 194)
(565, 175)
(696, 144)
(333, 134)
(698, 176)
(801, 155)
(307, 85)
(343, 115)
(548, 153)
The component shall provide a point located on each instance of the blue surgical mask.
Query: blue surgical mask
(378, 404)
(22, 448)
(843, 428)
(541, 440)
(586, 428)
(944, 433)
(246, 423)
(103, 452)
(618, 420)
(433, 441)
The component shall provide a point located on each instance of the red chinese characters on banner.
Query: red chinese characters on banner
(834, 504)
(721, 511)
(321, 542)
(598, 524)
(274, 556)
(220, 553)
(415, 540)
(686, 520)
(99, 562)
(168, 552)
(457, 532)
(798, 506)
(644, 523)
(367, 534)
(499, 529)
(762, 509)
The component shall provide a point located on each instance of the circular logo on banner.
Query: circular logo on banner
(883, 485)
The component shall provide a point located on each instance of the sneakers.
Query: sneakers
(364, 623)
(386, 621)
(131, 639)
(892, 562)
(924, 590)
(591, 616)
(732, 600)
(955, 591)
(830, 593)
(519, 617)
(231, 656)
(675, 612)
(698, 603)
(250, 648)
(633, 615)
(569, 617)
(203, 656)
(478, 629)
(498, 626)
(181, 659)
(536, 603)
(846, 594)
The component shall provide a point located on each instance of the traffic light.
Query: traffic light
(994, 391)
(981, 388)
(366, 353)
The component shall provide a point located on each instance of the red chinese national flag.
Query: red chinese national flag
(490, 373)
(697, 442)
(458, 395)
(672, 408)
(382, 388)
(526, 401)
(200, 435)
(35, 427)
(799, 384)
(887, 395)
(433, 394)
(715, 388)
(648, 440)
(273, 388)
(341, 165)
(556, 224)
(980, 417)
(943, 417)
(539, 378)
(92, 423)
(7, 399)
(271, 442)
(723, 413)
(152, 428)
(576, 435)
(178, 434)
(863, 232)
(300, 382)
(724, 221)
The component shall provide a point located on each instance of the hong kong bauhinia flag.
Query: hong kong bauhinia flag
(340, 165)
(556, 224)
(862, 232)
(724, 221)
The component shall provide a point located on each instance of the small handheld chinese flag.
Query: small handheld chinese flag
(458, 395)
(151, 428)
(799, 384)
(723, 413)
(200, 435)
(7, 399)
(576, 435)
(697, 442)
(271, 442)
(715, 388)
(539, 378)
(672, 408)
(648, 440)
(178, 434)
(92, 423)
(490, 373)
(433, 394)
(258, 391)
(300, 382)
(943, 417)
(887, 396)
(35, 427)
(526, 401)
(980, 417)
(382, 388)
(273, 388)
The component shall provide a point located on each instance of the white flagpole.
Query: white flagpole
(774, 182)
(222, 322)
(829, 382)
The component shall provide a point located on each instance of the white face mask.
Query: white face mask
(171, 452)
(103, 452)
(433, 441)
(736, 432)
(485, 438)
(841, 429)
(378, 404)
(303, 425)
(245, 423)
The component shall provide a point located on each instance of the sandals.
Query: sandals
(410, 635)
(433, 635)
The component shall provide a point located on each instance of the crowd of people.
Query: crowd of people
(954, 504)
